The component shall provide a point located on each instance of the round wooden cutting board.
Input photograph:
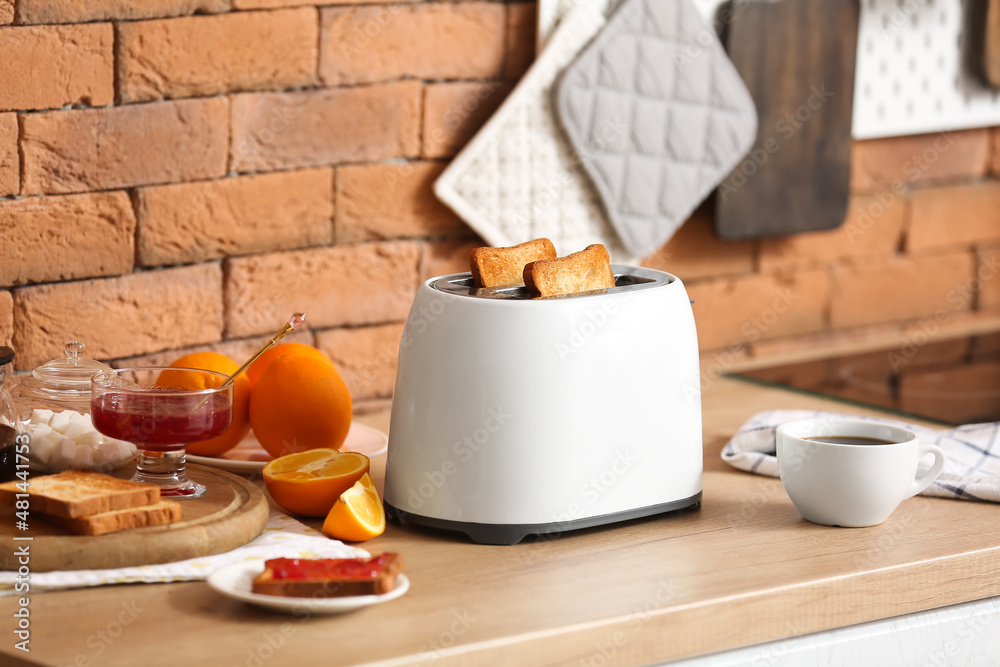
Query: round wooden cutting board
(231, 513)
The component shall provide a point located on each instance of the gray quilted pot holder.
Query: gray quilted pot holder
(657, 115)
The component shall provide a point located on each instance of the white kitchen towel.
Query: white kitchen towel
(518, 179)
(552, 12)
(971, 473)
(283, 536)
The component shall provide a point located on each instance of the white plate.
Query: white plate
(236, 581)
(250, 457)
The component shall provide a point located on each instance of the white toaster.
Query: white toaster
(515, 416)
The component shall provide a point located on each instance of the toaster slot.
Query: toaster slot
(627, 278)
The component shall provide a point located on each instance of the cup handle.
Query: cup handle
(923, 482)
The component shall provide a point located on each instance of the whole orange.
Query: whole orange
(275, 351)
(213, 361)
(300, 402)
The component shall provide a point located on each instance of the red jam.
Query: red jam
(326, 568)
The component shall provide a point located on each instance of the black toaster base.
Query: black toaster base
(512, 533)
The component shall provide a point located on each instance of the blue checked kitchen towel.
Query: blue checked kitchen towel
(971, 473)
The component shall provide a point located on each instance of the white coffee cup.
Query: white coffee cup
(851, 485)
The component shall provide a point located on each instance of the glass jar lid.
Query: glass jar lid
(64, 379)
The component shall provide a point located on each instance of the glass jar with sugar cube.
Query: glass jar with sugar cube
(53, 405)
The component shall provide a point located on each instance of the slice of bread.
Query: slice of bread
(157, 514)
(584, 271)
(75, 493)
(362, 576)
(504, 267)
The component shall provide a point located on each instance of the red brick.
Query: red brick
(963, 395)
(47, 67)
(312, 128)
(384, 201)
(377, 407)
(368, 283)
(902, 289)
(237, 350)
(808, 375)
(866, 378)
(6, 318)
(937, 352)
(365, 357)
(881, 163)
(957, 215)
(695, 252)
(272, 4)
(192, 222)
(74, 11)
(522, 27)
(207, 55)
(988, 277)
(454, 112)
(99, 149)
(440, 258)
(427, 40)
(47, 239)
(986, 347)
(6, 12)
(995, 165)
(731, 313)
(10, 162)
(873, 228)
(117, 317)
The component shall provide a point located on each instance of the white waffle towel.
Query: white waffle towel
(283, 537)
(971, 473)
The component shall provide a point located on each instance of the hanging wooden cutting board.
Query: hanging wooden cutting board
(986, 15)
(797, 59)
(231, 513)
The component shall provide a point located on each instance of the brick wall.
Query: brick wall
(183, 174)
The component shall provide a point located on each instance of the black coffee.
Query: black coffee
(849, 440)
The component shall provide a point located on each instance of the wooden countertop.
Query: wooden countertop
(744, 569)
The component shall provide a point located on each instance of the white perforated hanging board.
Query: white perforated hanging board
(912, 74)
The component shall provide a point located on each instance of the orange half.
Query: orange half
(310, 482)
(358, 514)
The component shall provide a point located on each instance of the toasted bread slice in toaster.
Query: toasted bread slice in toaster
(584, 271)
(504, 267)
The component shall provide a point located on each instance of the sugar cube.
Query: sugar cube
(83, 457)
(76, 428)
(79, 418)
(63, 454)
(41, 446)
(40, 416)
(60, 420)
(90, 439)
(106, 452)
